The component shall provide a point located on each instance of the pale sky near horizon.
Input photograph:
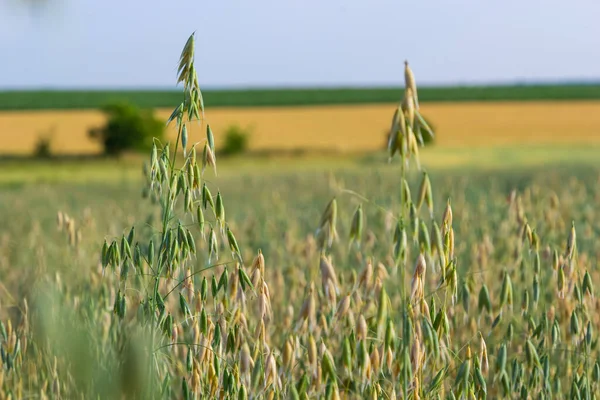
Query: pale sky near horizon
(135, 43)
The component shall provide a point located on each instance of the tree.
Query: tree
(236, 141)
(127, 128)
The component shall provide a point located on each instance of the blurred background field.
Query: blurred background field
(86, 99)
(359, 128)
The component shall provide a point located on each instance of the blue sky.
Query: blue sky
(135, 43)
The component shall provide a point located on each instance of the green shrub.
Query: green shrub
(128, 128)
(235, 141)
(43, 145)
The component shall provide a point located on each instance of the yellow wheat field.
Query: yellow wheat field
(347, 128)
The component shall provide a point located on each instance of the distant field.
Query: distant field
(347, 128)
(437, 160)
(36, 100)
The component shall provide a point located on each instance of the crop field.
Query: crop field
(468, 270)
(93, 99)
(348, 128)
(278, 213)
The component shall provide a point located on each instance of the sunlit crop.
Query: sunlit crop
(365, 285)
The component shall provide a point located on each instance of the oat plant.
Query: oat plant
(159, 279)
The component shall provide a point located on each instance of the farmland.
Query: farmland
(346, 129)
(277, 211)
(275, 205)
(92, 99)
(465, 270)
(502, 303)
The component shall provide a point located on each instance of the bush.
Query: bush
(236, 141)
(128, 128)
(43, 147)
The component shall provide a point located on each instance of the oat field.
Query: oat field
(346, 128)
(380, 281)
(278, 214)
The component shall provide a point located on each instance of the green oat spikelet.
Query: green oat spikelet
(356, 226)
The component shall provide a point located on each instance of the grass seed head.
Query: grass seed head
(343, 307)
(366, 275)
(356, 226)
(447, 218)
(410, 83)
(328, 274)
(405, 195)
(561, 282)
(571, 242)
(361, 328)
(484, 301)
(408, 106)
(420, 267)
(259, 262)
(425, 193)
